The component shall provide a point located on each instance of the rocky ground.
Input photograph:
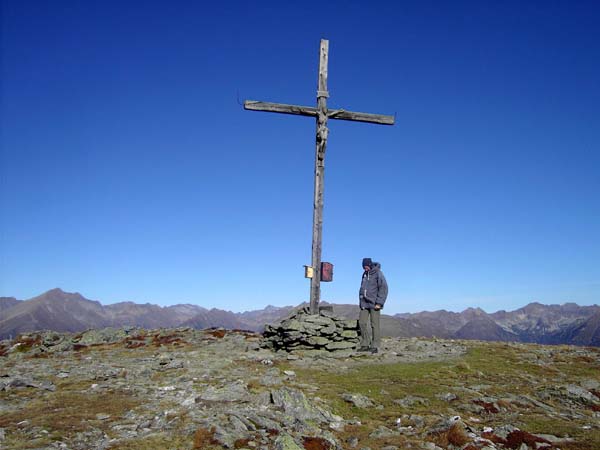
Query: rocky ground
(214, 389)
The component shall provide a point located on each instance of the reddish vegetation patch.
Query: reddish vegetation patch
(272, 432)
(457, 435)
(316, 443)
(28, 342)
(585, 359)
(518, 437)
(169, 339)
(595, 392)
(134, 344)
(244, 332)
(135, 341)
(492, 437)
(490, 408)
(241, 443)
(77, 347)
(471, 447)
(220, 334)
(204, 438)
(595, 408)
(3, 350)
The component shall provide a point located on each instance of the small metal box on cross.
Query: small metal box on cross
(322, 114)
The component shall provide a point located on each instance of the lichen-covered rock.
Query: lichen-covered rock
(286, 442)
(340, 345)
(233, 392)
(358, 400)
(102, 336)
(295, 404)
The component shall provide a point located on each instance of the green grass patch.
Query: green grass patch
(381, 383)
(156, 442)
(583, 439)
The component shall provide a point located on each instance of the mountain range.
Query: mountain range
(536, 323)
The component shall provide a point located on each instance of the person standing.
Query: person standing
(372, 296)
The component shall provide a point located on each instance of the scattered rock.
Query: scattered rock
(294, 403)
(286, 442)
(383, 432)
(358, 400)
(234, 392)
(25, 382)
(411, 400)
(352, 442)
(447, 397)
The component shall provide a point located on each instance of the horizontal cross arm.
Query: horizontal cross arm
(280, 108)
(339, 114)
(360, 117)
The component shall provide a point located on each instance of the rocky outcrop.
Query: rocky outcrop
(312, 333)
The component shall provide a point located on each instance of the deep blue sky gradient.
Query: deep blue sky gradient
(130, 172)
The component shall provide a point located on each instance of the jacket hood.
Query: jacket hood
(376, 266)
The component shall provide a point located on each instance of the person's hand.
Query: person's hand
(377, 307)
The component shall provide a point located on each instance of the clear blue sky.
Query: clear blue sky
(130, 172)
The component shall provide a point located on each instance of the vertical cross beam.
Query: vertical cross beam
(322, 131)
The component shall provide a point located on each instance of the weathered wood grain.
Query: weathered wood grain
(253, 105)
(321, 146)
(310, 111)
(341, 114)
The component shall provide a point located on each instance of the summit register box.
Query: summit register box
(326, 271)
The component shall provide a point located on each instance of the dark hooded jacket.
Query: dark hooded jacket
(373, 288)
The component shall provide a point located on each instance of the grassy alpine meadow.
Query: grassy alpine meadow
(492, 385)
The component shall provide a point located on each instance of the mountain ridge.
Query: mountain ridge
(535, 322)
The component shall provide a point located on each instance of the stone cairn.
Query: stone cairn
(312, 333)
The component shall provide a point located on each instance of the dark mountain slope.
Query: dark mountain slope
(585, 332)
(53, 310)
(485, 329)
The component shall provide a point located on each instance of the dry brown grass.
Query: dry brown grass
(155, 442)
(219, 334)
(316, 443)
(205, 439)
(69, 412)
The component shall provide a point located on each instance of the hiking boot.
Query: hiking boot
(374, 350)
(364, 349)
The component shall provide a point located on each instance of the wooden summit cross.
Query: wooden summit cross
(322, 114)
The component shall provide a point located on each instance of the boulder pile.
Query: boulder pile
(312, 333)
